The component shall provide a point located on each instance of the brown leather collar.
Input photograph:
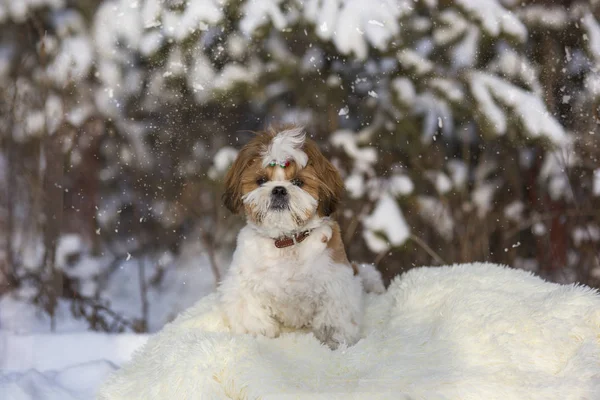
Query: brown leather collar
(287, 241)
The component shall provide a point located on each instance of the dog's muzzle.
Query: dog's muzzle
(279, 198)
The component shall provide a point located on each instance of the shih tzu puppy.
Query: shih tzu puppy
(290, 267)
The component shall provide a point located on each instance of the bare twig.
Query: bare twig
(10, 272)
(546, 217)
(566, 165)
(353, 226)
(380, 256)
(143, 291)
(428, 249)
(97, 306)
(208, 244)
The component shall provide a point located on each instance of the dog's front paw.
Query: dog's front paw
(325, 334)
(270, 329)
(334, 337)
(252, 320)
(326, 233)
(265, 326)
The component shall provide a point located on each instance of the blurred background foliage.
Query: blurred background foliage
(465, 131)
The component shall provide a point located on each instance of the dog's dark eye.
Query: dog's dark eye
(261, 181)
(297, 182)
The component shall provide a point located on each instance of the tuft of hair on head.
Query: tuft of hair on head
(287, 145)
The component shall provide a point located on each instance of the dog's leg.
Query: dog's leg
(246, 311)
(339, 317)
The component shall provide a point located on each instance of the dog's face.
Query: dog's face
(280, 180)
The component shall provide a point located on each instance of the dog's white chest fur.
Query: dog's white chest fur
(297, 286)
(289, 276)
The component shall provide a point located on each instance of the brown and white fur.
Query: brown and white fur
(309, 284)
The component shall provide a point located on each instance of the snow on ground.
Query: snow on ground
(60, 366)
(71, 362)
(19, 316)
(57, 351)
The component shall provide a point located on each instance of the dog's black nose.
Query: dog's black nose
(279, 191)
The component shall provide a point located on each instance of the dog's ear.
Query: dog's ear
(232, 196)
(332, 191)
(331, 187)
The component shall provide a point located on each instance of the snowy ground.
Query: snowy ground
(60, 366)
(71, 362)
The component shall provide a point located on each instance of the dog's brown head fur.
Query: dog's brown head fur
(319, 177)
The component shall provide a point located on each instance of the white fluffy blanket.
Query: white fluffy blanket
(474, 331)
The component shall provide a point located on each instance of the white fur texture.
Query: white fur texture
(287, 145)
(267, 288)
(474, 331)
(371, 278)
(280, 223)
